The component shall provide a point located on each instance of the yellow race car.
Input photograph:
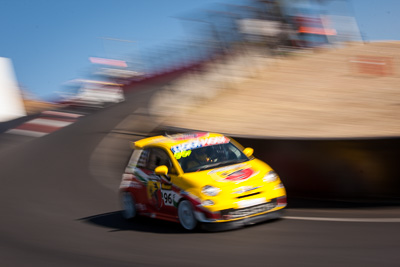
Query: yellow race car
(200, 178)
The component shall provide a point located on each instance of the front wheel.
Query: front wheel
(186, 215)
(128, 205)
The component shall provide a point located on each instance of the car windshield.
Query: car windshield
(208, 157)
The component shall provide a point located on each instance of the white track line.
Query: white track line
(54, 123)
(26, 132)
(380, 220)
(62, 114)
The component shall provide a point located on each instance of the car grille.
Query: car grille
(249, 195)
(229, 214)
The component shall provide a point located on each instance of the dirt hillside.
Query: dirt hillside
(36, 106)
(352, 91)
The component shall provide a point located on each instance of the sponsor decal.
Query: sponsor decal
(240, 175)
(187, 136)
(235, 173)
(200, 143)
(154, 194)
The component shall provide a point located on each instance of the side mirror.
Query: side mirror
(248, 151)
(161, 170)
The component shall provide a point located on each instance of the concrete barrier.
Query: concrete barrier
(333, 169)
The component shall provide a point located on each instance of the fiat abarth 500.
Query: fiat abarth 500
(200, 178)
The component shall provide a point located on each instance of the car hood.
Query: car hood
(248, 173)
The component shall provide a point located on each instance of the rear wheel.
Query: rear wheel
(186, 215)
(129, 206)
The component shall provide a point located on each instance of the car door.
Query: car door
(170, 194)
(161, 196)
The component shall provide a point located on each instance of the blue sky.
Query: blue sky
(50, 41)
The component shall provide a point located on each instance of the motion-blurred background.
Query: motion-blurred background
(79, 51)
(311, 85)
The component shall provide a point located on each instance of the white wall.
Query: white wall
(11, 105)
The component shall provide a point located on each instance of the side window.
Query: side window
(234, 153)
(159, 157)
(143, 159)
(133, 161)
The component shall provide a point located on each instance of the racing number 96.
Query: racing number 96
(168, 198)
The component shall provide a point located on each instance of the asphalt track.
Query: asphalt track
(59, 207)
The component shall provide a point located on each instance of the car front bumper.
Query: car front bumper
(224, 226)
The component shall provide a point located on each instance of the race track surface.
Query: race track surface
(59, 207)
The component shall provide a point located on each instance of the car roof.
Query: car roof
(169, 141)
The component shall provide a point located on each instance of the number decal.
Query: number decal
(182, 154)
(168, 198)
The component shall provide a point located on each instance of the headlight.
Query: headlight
(279, 186)
(272, 176)
(210, 190)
